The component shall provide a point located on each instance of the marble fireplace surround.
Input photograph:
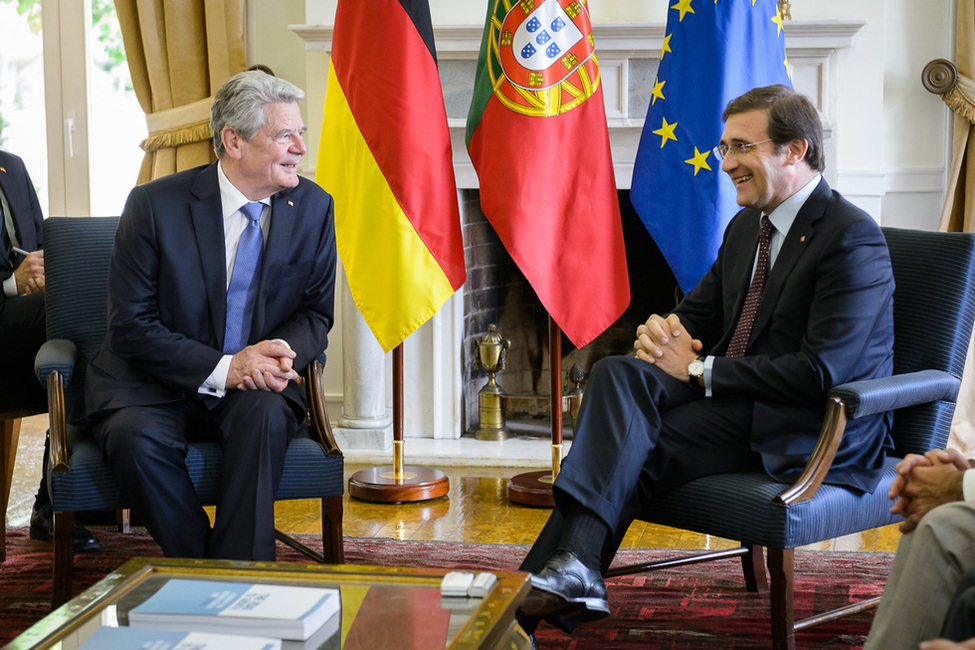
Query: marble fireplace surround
(433, 356)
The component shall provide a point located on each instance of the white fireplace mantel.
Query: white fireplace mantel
(626, 51)
(628, 57)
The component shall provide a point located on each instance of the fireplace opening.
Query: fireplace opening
(497, 293)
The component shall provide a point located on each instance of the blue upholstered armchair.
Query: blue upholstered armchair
(934, 311)
(76, 259)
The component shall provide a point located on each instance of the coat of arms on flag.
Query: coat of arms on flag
(536, 99)
(544, 61)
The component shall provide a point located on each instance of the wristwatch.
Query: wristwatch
(695, 372)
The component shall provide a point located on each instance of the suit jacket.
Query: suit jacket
(825, 319)
(168, 289)
(24, 208)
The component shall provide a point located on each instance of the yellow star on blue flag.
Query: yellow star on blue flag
(713, 52)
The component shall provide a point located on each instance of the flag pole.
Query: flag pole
(398, 483)
(535, 488)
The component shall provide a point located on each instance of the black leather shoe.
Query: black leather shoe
(567, 588)
(42, 529)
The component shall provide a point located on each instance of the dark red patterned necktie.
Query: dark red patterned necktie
(744, 328)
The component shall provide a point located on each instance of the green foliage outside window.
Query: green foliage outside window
(104, 25)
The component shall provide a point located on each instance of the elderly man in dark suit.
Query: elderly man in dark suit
(220, 287)
(734, 379)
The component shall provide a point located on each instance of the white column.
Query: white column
(365, 422)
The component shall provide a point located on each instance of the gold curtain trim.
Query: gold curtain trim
(178, 126)
(961, 98)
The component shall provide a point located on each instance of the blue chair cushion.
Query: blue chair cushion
(89, 484)
(743, 507)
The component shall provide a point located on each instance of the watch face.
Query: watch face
(695, 368)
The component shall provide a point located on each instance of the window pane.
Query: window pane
(118, 124)
(22, 126)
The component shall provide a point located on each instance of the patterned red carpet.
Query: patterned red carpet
(700, 606)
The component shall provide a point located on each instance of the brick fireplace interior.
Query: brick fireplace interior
(498, 293)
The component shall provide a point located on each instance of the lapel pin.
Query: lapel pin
(291, 204)
(3, 169)
(802, 239)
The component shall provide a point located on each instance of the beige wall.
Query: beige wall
(891, 135)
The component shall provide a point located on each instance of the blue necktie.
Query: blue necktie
(242, 292)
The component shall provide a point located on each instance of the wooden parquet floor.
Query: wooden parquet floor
(476, 509)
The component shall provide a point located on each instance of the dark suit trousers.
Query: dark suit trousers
(146, 447)
(22, 333)
(641, 433)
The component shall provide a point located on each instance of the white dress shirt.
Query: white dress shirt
(234, 223)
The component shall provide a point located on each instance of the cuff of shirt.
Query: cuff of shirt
(216, 383)
(708, 365)
(968, 485)
(10, 287)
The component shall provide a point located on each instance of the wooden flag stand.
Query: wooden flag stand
(535, 488)
(398, 483)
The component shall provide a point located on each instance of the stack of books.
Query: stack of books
(206, 614)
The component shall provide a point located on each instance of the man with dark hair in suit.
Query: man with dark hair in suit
(22, 319)
(221, 286)
(734, 379)
(22, 273)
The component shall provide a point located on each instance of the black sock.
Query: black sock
(583, 534)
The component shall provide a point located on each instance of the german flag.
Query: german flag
(385, 157)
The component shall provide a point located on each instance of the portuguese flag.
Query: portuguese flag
(385, 156)
(537, 136)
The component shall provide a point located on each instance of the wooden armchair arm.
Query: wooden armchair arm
(834, 424)
(57, 418)
(315, 390)
(862, 398)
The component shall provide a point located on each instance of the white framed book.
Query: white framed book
(271, 610)
(130, 638)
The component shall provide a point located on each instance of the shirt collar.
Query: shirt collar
(785, 214)
(231, 199)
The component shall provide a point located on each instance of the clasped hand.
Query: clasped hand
(665, 343)
(925, 482)
(30, 273)
(267, 365)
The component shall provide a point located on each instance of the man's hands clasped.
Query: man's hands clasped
(665, 343)
(925, 482)
(268, 365)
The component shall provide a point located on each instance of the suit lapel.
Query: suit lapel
(11, 190)
(796, 243)
(206, 213)
(284, 210)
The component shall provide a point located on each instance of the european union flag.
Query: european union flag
(712, 53)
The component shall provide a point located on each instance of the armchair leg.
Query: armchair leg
(781, 566)
(123, 520)
(63, 558)
(9, 435)
(753, 568)
(332, 543)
